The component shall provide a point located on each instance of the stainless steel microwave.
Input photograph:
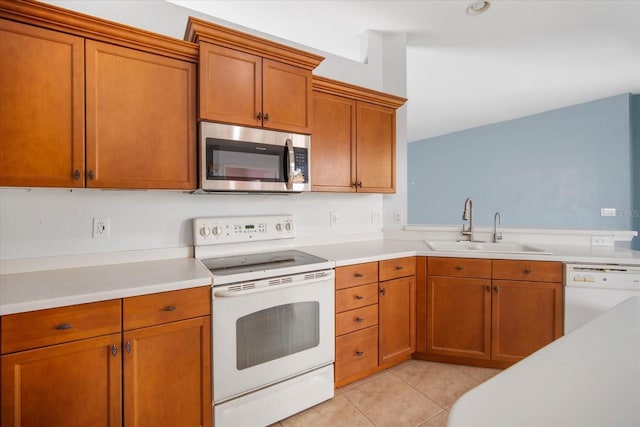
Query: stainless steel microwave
(242, 159)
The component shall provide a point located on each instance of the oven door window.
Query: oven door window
(276, 332)
(245, 161)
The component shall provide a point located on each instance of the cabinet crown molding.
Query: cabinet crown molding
(59, 19)
(199, 30)
(335, 87)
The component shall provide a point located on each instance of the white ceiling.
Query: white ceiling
(519, 58)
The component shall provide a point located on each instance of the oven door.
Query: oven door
(266, 335)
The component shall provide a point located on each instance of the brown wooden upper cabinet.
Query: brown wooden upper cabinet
(354, 138)
(250, 81)
(101, 105)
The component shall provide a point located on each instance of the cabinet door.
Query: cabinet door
(333, 157)
(67, 385)
(42, 105)
(526, 316)
(230, 86)
(286, 97)
(376, 151)
(140, 119)
(459, 317)
(397, 324)
(167, 374)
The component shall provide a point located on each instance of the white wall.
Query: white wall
(53, 222)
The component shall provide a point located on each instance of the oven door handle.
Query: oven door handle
(291, 164)
(237, 291)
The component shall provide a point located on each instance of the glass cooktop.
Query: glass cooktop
(249, 263)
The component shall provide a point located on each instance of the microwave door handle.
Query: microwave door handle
(291, 164)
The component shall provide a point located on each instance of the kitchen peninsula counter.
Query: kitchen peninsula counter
(589, 377)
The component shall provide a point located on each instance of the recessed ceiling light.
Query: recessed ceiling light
(478, 7)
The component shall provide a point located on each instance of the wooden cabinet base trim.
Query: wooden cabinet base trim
(353, 378)
(429, 357)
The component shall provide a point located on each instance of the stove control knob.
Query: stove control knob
(216, 230)
(279, 226)
(289, 226)
(205, 231)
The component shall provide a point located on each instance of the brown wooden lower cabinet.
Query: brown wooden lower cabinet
(141, 361)
(489, 312)
(356, 352)
(166, 368)
(397, 325)
(75, 384)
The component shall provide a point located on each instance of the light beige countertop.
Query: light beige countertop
(377, 250)
(37, 290)
(57, 288)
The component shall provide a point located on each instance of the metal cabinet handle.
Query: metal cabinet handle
(527, 271)
(495, 289)
(383, 291)
(64, 326)
(266, 117)
(358, 275)
(127, 346)
(359, 353)
(91, 175)
(114, 350)
(359, 319)
(259, 116)
(399, 267)
(170, 308)
(358, 297)
(458, 268)
(488, 288)
(76, 174)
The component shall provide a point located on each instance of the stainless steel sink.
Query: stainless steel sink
(467, 246)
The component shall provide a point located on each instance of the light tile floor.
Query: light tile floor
(413, 394)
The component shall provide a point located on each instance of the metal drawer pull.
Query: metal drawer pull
(358, 275)
(527, 271)
(495, 288)
(359, 319)
(169, 308)
(127, 346)
(358, 297)
(399, 267)
(383, 291)
(64, 326)
(488, 288)
(114, 350)
(458, 268)
(359, 353)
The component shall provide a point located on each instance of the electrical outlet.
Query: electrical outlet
(601, 240)
(608, 212)
(333, 218)
(397, 217)
(101, 228)
(376, 217)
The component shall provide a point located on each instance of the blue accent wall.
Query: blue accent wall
(554, 169)
(635, 166)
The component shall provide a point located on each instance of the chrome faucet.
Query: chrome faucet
(467, 214)
(497, 235)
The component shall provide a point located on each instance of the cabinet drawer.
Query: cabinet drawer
(358, 274)
(536, 271)
(359, 318)
(356, 297)
(395, 268)
(460, 267)
(356, 352)
(41, 328)
(154, 309)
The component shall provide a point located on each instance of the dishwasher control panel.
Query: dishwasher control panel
(603, 276)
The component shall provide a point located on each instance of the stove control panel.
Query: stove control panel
(221, 230)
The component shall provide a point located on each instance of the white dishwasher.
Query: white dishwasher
(592, 289)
